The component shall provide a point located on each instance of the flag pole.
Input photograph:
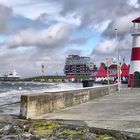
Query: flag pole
(42, 69)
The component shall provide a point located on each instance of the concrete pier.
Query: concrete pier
(118, 111)
(35, 105)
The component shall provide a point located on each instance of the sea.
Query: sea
(10, 93)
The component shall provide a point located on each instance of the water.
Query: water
(10, 93)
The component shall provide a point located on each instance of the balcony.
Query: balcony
(135, 30)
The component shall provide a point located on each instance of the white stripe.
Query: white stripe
(134, 66)
(136, 41)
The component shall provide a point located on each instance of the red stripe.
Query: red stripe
(135, 55)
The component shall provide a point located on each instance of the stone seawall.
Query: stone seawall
(34, 105)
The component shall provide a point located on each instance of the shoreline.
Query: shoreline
(13, 127)
(9, 99)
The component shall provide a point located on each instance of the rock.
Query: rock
(46, 138)
(6, 130)
(10, 137)
(10, 130)
(27, 135)
(34, 138)
(17, 130)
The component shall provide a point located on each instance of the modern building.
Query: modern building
(78, 66)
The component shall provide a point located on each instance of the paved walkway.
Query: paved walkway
(119, 111)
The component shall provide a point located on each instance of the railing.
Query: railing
(135, 30)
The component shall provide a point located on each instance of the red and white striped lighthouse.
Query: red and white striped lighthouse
(135, 53)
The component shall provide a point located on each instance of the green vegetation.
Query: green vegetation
(84, 77)
(45, 78)
(58, 130)
(67, 132)
(104, 137)
(55, 78)
(44, 128)
(47, 128)
(46, 125)
(72, 134)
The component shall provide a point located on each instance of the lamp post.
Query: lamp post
(107, 62)
(118, 68)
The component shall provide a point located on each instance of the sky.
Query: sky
(35, 32)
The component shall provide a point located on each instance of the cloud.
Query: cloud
(53, 37)
(78, 41)
(32, 8)
(121, 17)
(106, 47)
(48, 31)
(14, 59)
(28, 62)
(92, 12)
(28, 49)
(73, 52)
(123, 24)
(133, 3)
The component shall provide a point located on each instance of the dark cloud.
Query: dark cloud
(123, 25)
(44, 20)
(52, 37)
(91, 11)
(5, 15)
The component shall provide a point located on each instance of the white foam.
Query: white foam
(12, 92)
(12, 96)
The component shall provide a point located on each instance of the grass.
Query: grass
(72, 134)
(43, 128)
(56, 129)
(104, 137)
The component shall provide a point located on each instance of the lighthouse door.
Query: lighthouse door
(136, 79)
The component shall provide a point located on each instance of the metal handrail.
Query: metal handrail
(135, 30)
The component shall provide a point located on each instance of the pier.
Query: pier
(117, 111)
(35, 105)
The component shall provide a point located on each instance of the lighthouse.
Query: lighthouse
(134, 72)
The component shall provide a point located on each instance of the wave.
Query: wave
(11, 91)
(12, 94)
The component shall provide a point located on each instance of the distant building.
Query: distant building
(78, 66)
(113, 70)
(109, 61)
(124, 71)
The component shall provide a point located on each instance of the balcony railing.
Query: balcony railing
(135, 30)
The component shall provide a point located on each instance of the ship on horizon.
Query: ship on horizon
(11, 76)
